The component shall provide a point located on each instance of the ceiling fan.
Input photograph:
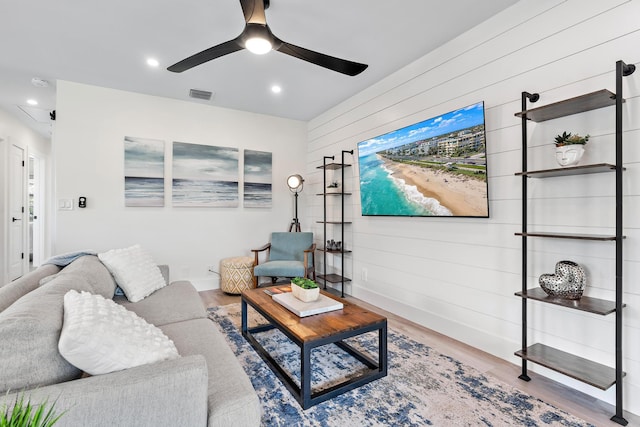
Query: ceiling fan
(258, 38)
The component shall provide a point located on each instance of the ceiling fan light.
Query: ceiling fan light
(258, 45)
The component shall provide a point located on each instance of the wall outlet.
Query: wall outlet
(365, 275)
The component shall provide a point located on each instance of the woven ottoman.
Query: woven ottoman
(236, 274)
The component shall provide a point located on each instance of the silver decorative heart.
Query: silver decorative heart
(568, 281)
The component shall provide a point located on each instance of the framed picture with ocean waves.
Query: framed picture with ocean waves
(437, 167)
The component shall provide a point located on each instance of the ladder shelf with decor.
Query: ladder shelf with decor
(327, 193)
(579, 368)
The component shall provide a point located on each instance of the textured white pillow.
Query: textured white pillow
(99, 336)
(134, 271)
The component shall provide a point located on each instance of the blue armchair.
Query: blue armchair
(288, 255)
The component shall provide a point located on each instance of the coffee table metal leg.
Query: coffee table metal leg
(382, 349)
(244, 317)
(305, 376)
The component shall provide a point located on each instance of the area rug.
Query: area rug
(423, 387)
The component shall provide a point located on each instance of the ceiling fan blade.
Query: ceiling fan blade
(256, 27)
(253, 11)
(206, 55)
(343, 66)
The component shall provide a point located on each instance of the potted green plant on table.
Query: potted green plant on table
(26, 414)
(569, 148)
(304, 289)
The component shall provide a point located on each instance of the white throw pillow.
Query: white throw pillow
(99, 336)
(134, 271)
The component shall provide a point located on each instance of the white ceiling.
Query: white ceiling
(106, 43)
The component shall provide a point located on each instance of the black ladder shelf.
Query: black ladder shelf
(334, 277)
(587, 371)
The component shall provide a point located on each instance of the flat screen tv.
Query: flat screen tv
(437, 167)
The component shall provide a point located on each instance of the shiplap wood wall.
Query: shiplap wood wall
(458, 276)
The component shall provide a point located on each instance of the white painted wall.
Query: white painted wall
(89, 161)
(13, 131)
(458, 276)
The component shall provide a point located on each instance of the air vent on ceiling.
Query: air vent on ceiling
(200, 94)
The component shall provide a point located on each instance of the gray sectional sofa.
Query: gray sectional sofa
(206, 386)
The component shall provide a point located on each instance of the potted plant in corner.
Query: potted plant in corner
(569, 148)
(26, 414)
(305, 290)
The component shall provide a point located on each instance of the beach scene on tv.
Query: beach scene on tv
(437, 167)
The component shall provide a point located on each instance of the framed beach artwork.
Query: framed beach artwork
(257, 179)
(143, 172)
(437, 167)
(204, 175)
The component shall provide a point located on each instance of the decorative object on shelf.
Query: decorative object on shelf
(570, 139)
(569, 148)
(332, 245)
(334, 184)
(568, 281)
(295, 184)
(304, 289)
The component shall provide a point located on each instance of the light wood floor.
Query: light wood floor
(568, 399)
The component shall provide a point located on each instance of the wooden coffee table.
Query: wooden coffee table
(314, 331)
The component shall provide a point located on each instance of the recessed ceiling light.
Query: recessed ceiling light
(32, 102)
(152, 62)
(276, 89)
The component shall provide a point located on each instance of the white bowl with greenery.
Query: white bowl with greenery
(305, 290)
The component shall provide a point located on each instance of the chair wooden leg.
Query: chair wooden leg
(310, 273)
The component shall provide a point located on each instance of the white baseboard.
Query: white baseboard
(489, 343)
(205, 283)
(494, 345)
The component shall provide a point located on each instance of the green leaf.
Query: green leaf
(304, 283)
(25, 414)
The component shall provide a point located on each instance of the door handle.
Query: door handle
(15, 219)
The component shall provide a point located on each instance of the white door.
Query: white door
(36, 210)
(17, 222)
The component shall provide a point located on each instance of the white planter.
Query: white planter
(305, 295)
(569, 155)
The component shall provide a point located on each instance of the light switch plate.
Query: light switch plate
(65, 204)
